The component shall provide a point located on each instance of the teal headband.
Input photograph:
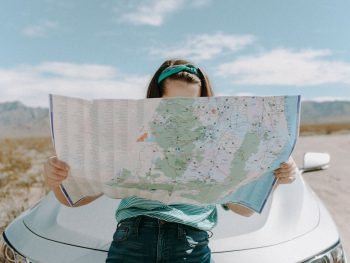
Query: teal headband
(177, 68)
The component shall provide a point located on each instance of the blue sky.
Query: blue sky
(110, 49)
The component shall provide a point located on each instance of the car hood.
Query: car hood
(291, 211)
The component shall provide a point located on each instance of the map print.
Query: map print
(184, 150)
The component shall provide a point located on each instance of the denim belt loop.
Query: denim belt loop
(180, 230)
(137, 223)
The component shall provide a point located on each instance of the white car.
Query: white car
(294, 227)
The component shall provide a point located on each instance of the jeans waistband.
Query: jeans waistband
(147, 221)
(143, 219)
(137, 221)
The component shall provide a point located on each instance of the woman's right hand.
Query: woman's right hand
(55, 171)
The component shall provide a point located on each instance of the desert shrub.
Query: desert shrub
(324, 128)
(12, 160)
(21, 178)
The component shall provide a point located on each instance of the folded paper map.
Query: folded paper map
(195, 150)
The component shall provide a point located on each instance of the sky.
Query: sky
(110, 49)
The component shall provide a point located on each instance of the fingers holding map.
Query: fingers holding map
(176, 150)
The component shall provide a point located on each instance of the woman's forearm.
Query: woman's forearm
(239, 209)
(62, 199)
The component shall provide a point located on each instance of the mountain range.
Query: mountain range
(19, 120)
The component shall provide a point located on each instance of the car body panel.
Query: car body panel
(297, 249)
(291, 211)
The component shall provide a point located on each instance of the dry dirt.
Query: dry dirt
(21, 180)
(331, 185)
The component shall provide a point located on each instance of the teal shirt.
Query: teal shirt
(201, 217)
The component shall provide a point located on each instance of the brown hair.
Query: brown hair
(156, 90)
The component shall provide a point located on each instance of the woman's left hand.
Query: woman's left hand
(287, 172)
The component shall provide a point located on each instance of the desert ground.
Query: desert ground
(21, 177)
(22, 184)
(331, 185)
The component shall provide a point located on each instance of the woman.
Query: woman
(151, 231)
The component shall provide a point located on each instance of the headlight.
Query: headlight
(335, 254)
(9, 255)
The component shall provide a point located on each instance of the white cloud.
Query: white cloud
(39, 30)
(69, 70)
(204, 46)
(286, 67)
(153, 12)
(31, 84)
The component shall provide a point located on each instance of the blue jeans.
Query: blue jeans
(150, 240)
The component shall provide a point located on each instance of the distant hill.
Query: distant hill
(325, 112)
(19, 120)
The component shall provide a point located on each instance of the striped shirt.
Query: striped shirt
(201, 217)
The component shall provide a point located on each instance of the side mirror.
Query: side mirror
(314, 161)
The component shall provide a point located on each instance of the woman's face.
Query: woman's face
(180, 88)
